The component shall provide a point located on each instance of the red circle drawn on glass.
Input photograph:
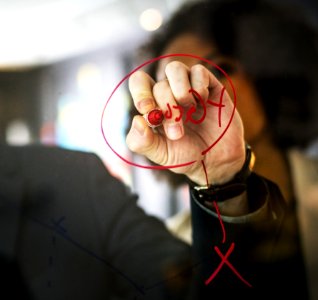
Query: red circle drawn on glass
(153, 60)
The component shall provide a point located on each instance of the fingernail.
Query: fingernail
(145, 105)
(174, 131)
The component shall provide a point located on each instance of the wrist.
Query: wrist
(230, 189)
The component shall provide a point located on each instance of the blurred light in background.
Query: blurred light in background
(79, 111)
(150, 19)
(18, 133)
(49, 30)
(77, 51)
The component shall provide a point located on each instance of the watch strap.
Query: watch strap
(231, 189)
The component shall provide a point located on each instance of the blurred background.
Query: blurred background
(60, 60)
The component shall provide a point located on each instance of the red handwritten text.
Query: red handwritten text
(193, 109)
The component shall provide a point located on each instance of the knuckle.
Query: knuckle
(200, 73)
(198, 68)
(173, 66)
(138, 74)
(159, 86)
(134, 78)
(182, 96)
(202, 91)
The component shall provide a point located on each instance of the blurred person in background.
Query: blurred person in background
(270, 53)
(70, 230)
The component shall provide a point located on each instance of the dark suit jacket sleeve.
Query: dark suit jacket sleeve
(80, 233)
(260, 259)
(147, 258)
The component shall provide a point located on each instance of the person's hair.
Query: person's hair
(276, 47)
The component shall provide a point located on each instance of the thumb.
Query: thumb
(140, 138)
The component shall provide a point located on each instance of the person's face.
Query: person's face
(248, 104)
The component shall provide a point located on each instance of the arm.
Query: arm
(83, 231)
(146, 261)
(265, 247)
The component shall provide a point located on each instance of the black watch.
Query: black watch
(228, 190)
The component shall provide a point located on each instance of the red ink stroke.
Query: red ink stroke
(217, 250)
(168, 113)
(219, 105)
(153, 60)
(224, 260)
(180, 108)
(215, 204)
(192, 110)
(220, 220)
(205, 172)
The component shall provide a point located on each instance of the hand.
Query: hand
(179, 142)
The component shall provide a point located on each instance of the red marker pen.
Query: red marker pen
(154, 117)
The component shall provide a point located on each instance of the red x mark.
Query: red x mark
(216, 248)
(225, 261)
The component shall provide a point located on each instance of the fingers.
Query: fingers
(200, 80)
(140, 86)
(174, 95)
(198, 111)
(142, 140)
(210, 89)
(178, 76)
(165, 98)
